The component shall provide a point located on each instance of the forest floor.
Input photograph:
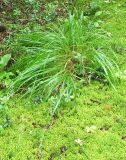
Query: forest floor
(91, 127)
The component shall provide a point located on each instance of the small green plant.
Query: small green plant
(50, 12)
(4, 60)
(62, 55)
(16, 12)
(4, 75)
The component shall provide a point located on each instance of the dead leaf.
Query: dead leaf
(79, 142)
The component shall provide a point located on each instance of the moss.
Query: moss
(105, 143)
(28, 123)
(93, 107)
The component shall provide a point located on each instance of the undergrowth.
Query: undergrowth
(50, 65)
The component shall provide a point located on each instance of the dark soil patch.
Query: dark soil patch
(3, 35)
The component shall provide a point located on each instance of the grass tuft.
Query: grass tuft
(60, 56)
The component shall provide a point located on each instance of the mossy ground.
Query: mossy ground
(33, 134)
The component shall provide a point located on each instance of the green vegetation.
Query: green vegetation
(59, 68)
(58, 57)
(69, 135)
(5, 76)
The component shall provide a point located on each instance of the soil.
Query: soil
(3, 35)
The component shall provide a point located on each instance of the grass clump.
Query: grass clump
(60, 56)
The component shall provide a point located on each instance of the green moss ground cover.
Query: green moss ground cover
(91, 127)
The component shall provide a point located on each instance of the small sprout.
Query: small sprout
(38, 100)
(7, 121)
